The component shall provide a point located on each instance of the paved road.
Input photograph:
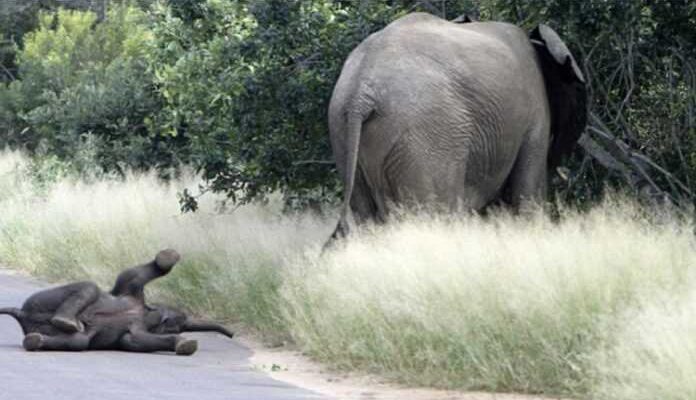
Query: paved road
(220, 370)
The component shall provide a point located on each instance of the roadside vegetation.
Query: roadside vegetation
(63, 229)
(598, 304)
(119, 115)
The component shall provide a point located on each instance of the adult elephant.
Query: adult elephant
(459, 115)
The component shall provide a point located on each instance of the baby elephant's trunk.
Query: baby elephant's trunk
(14, 312)
(205, 326)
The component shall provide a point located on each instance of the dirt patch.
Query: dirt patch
(292, 367)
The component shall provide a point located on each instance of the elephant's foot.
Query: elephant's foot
(67, 325)
(33, 341)
(186, 347)
(342, 231)
(166, 259)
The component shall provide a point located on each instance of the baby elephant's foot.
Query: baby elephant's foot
(33, 341)
(186, 347)
(166, 259)
(68, 325)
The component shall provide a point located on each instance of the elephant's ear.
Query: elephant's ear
(565, 88)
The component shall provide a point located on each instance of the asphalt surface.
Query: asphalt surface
(220, 370)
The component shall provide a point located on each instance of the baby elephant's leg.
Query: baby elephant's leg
(79, 296)
(132, 281)
(75, 342)
(145, 342)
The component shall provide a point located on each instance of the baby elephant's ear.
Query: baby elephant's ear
(546, 39)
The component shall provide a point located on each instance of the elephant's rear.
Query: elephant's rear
(442, 105)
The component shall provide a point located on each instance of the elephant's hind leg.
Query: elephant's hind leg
(132, 281)
(80, 295)
(144, 342)
(528, 176)
(75, 342)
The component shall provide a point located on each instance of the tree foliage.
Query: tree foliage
(85, 92)
(239, 89)
(249, 84)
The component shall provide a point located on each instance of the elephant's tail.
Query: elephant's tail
(353, 131)
(14, 312)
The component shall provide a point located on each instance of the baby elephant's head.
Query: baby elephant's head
(167, 320)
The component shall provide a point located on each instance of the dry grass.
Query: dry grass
(599, 304)
(497, 304)
(78, 230)
(653, 354)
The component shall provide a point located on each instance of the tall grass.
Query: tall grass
(77, 230)
(499, 304)
(653, 354)
(597, 305)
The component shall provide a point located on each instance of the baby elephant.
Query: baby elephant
(80, 316)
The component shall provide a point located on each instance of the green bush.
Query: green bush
(85, 85)
(248, 84)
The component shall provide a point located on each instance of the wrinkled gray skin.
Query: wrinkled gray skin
(454, 115)
(80, 316)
